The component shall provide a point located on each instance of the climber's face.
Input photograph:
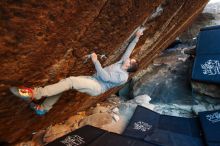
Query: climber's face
(128, 63)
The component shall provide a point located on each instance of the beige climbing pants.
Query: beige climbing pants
(84, 84)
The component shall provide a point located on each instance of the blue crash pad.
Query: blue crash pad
(185, 126)
(142, 123)
(207, 61)
(208, 41)
(168, 138)
(79, 137)
(92, 136)
(113, 139)
(164, 130)
(210, 122)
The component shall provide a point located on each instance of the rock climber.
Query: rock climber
(104, 79)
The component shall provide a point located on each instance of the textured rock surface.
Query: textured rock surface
(168, 79)
(209, 17)
(44, 41)
(97, 120)
(209, 89)
(121, 110)
(203, 20)
(56, 131)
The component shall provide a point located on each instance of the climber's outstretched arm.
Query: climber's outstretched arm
(132, 44)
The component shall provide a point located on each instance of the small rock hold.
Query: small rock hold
(115, 110)
(82, 113)
(116, 117)
(142, 99)
(97, 120)
(100, 109)
(74, 119)
(182, 59)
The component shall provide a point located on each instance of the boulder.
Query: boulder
(28, 143)
(38, 137)
(210, 89)
(56, 131)
(44, 41)
(202, 107)
(167, 82)
(115, 110)
(142, 99)
(116, 117)
(71, 121)
(100, 109)
(97, 120)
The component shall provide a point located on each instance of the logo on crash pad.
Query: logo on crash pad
(211, 67)
(73, 140)
(142, 126)
(215, 117)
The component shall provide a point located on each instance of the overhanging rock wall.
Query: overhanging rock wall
(43, 41)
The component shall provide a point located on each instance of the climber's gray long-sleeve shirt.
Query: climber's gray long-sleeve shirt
(113, 75)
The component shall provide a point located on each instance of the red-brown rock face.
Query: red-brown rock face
(42, 41)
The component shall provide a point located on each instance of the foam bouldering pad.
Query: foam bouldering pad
(207, 61)
(181, 125)
(176, 131)
(213, 144)
(168, 138)
(210, 122)
(80, 137)
(142, 123)
(208, 41)
(207, 68)
(113, 139)
(159, 129)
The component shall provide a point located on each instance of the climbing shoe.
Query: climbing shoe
(38, 109)
(23, 93)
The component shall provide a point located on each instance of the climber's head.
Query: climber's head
(130, 65)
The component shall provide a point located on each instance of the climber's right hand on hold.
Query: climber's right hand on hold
(140, 31)
(94, 57)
